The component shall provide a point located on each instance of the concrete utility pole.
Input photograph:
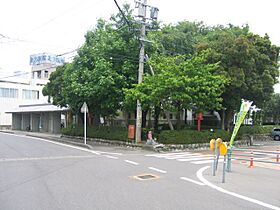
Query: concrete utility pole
(142, 8)
(141, 69)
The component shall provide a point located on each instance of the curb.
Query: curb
(167, 147)
(62, 141)
(7, 131)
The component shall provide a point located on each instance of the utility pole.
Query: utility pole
(141, 68)
(142, 8)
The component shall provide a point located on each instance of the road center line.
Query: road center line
(131, 162)
(193, 181)
(199, 175)
(158, 170)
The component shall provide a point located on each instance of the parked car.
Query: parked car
(276, 133)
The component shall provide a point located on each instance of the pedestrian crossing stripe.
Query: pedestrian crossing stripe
(182, 156)
(195, 158)
(168, 154)
(205, 161)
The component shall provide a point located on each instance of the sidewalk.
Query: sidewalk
(257, 183)
(93, 142)
(79, 141)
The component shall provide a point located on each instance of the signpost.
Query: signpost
(220, 148)
(84, 109)
(223, 151)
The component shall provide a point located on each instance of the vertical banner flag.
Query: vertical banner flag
(244, 108)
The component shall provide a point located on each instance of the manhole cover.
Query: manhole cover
(146, 177)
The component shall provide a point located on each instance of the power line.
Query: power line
(128, 23)
(111, 56)
(11, 40)
(54, 18)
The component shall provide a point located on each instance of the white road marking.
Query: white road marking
(183, 156)
(66, 145)
(110, 153)
(206, 161)
(60, 144)
(186, 157)
(158, 170)
(195, 158)
(111, 157)
(167, 154)
(132, 162)
(193, 181)
(199, 175)
(42, 158)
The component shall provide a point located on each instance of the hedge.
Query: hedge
(256, 129)
(185, 136)
(102, 132)
(191, 136)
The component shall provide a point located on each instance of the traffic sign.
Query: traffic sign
(84, 108)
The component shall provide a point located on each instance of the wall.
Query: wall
(7, 104)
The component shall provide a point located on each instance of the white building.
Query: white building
(43, 64)
(15, 92)
(18, 90)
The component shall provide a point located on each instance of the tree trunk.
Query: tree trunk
(228, 120)
(223, 119)
(178, 119)
(144, 120)
(89, 117)
(222, 113)
(156, 117)
(69, 119)
(150, 118)
(167, 114)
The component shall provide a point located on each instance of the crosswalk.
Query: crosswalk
(194, 158)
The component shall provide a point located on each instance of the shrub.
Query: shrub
(256, 129)
(191, 136)
(102, 132)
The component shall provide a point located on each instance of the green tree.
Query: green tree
(272, 109)
(178, 39)
(248, 61)
(180, 82)
(106, 63)
(55, 87)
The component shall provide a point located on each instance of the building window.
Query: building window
(8, 93)
(46, 74)
(30, 94)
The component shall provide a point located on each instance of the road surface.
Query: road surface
(40, 174)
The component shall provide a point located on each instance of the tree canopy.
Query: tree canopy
(196, 67)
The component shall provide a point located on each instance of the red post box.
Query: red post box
(131, 131)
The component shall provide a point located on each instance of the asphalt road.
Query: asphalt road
(39, 174)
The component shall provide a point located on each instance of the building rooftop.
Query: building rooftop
(37, 108)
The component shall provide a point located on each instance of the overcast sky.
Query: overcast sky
(58, 26)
